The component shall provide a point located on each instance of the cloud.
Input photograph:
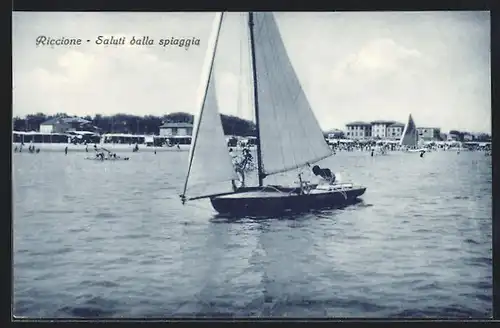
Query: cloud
(107, 80)
(379, 56)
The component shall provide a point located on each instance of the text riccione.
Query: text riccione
(63, 41)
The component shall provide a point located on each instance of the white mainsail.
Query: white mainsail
(210, 168)
(290, 135)
(410, 134)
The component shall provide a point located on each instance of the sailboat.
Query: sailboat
(288, 136)
(409, 138)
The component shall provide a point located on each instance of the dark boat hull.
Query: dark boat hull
(278, 200)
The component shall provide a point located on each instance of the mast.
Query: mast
(261, 174)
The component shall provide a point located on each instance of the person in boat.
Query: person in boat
(326, 174)
(234, 156)
(241, 173)
(247, 158)
(238, 167)
(247, 154)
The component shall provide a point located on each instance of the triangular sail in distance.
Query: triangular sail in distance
(410, 134)
(290, 135)
(210, 168)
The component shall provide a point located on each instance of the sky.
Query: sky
(353, 66)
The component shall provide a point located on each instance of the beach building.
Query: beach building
(453, 137)
(429, 134)
(395, 131)
(359, 130)
(468, 136)
(171, 129)
(379, 128)
(335, 134)
(64, 124)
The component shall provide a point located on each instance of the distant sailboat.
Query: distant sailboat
(409, 139)
(288, 136)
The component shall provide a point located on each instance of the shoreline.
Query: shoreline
(59, 147)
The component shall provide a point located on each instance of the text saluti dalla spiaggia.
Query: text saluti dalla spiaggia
(101, 40)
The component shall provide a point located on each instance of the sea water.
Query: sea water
(112, 239)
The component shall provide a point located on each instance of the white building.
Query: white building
(395, 130)
(358, 130)
(176, 129)
(379, 128)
